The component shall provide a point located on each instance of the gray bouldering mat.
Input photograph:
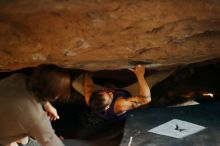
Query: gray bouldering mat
(75, 142)
(190, 125)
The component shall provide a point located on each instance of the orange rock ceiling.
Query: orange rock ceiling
(108, 34)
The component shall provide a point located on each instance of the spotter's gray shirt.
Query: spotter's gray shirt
(22, 115)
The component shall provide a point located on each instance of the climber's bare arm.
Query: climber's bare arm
(122, 105)
(88, 87)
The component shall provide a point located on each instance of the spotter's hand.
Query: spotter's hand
(51, 112)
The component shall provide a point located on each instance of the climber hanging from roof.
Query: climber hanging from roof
(113, 104)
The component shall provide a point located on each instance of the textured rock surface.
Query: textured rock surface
(107, 34)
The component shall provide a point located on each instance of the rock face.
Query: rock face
(108, 34)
